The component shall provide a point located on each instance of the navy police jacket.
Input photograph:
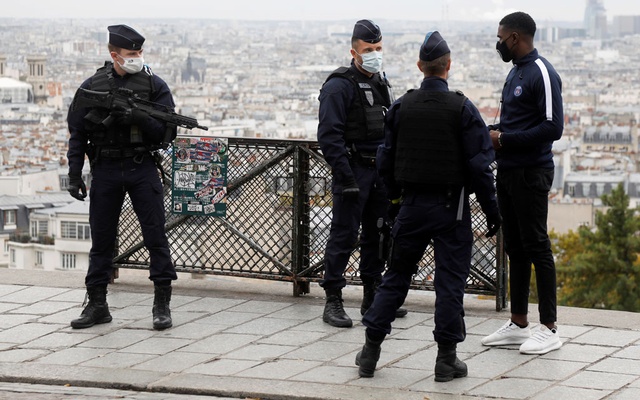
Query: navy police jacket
(79, 137)
(336, 98)
(477, 149)
(532, 117)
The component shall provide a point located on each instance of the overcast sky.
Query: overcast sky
(428, 10)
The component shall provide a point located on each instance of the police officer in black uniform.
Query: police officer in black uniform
(437, 150)
(121, 163)
(353, 101)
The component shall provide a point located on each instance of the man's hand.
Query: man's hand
(350, 189)
(495, 139)
(128, 116)
(77, 189)
(493, 224)
(393, 209)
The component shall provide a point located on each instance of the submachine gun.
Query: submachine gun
(123, 98)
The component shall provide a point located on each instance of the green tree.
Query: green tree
(599, 268)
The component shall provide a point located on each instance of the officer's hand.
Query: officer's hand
(128, 116)
(350, 189)
(77, 189)
(493, 224)
(393, 209)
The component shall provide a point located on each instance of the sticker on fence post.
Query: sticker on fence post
(199, 167)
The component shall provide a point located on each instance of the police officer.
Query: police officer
(121, 163)
(437, 150)
(352, 105)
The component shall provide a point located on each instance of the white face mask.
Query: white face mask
(132, 65)
(372, 61)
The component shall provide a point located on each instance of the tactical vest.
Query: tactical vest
(365, 118)
(116, 136)
(429, 143)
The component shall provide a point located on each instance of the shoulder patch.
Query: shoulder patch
(459, 92)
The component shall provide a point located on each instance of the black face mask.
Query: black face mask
(504, 50)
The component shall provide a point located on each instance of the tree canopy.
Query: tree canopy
(599, 267)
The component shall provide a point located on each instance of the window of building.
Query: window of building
(68, 261)
(75, 230)
(39, 258)
(39, 228)
(12, 256)
(84, 232)
(9, 217)
(64, 182)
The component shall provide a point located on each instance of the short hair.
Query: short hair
(520, 22)
(437, 66)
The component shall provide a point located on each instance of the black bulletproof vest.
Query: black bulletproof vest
(429, 144)
(365, 118)
(116, 135)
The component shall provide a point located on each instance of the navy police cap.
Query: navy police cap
(367, 31)
(434, 46)
(125, 37)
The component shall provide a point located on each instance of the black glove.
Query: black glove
(128, 116)
(77, 189)
(393, 209)
(350, 189)
(493, 224)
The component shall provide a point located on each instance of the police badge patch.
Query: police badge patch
(369, 95)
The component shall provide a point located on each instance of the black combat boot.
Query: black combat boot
(368, 357)
(161, 312)
(369, 293)
(96, 311)
(334, 313)
(448, 366)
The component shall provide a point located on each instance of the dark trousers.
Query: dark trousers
(422, 218)
(523, 196)
(112, 179)
(348, 216)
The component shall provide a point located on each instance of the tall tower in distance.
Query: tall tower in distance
(595, 19)
(38, 78)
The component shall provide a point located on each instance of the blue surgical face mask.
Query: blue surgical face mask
(372, 61)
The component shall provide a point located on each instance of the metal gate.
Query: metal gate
(277, 224)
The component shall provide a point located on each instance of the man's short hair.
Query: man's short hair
(520, 22)
(437, 66)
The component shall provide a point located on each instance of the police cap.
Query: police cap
(125, 37)
(434, 46)
(367, 31)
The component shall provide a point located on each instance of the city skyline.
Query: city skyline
(453, 10)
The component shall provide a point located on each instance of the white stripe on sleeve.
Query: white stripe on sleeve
(547, 89)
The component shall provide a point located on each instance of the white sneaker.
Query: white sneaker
(509, 333)
(542, 341)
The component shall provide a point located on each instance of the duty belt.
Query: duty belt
(126, 152)
(367, 160)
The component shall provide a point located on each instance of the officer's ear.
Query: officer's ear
(419, 64)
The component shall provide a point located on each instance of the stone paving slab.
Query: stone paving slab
(271, 345)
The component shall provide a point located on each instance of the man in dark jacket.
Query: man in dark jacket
(531, 119)
(351, 117)
(121, 163)
(436, 152)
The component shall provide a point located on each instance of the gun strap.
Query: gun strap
(157, 158)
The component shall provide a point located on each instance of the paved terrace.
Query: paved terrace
(242, 338)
